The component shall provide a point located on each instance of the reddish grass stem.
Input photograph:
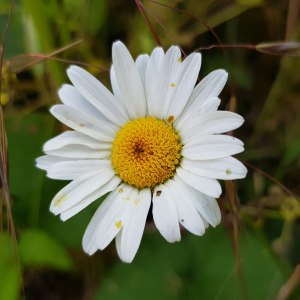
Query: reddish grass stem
(251, 47)
(64, 60)
(4, 43)
(5, 175)
(3, 156)
(138, 3)
(163, 27)
(270, 177)
(210, 29)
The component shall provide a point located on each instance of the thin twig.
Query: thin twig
(4, 173)
(210, 29)
(138, 2)
(163, 27)
(3, 154)
(4, 43)
(251, 47)
(270, 177)
(64, 60)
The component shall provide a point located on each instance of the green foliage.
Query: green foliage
(251, 2)
(292, 153)
(14, 46)
(10, 277)
(196, 268)
(37, 249)
(267, 93)
(96, 16)
(39, 14)
(25, 179)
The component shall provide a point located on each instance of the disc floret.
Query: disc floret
(145, 152)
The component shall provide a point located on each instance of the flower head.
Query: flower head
(156, 138)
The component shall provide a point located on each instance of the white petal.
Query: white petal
(165, 214)
(133, 227)
(81, 121)
(115, 216)
(75, 138)
(209, 87)
(89, 238)
(97, 94)
(206, 224)
(118, 243)
(79, 188)
(212, 147)
(115, 87)
(111, 185)
(207, 206)
(79, 151)
(209, 105)
(210, 123)
(129, 81)
(188, 215)
(184, 84)
(164, 89)
(205, 185)
(226, 168)
(46, 161)
(70, 170)
(70, 96)
(141, 64)
(152, 72)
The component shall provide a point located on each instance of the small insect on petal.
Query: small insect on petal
(158, 193)
(228, 172)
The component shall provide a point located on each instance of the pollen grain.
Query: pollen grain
(145, 152)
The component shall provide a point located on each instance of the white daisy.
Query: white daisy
(157, 138)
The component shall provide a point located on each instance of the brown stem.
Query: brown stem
(63, 60)
(251, 47)
(190, 15)
(138, 3)
(164, 29)
(270, 177)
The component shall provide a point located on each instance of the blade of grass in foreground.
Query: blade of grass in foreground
(4, 163)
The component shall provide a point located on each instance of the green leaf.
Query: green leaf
(37, 249)
(95, 16)
(292, 153)
(195, 268)
(262, 275)
(41, 20)
(26, 137)
(251, 2)
(10, 277)
(15, 45)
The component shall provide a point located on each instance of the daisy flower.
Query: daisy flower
(155, 139)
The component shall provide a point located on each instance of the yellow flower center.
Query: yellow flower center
(145, 152)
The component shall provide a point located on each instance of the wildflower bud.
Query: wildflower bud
(280, 48)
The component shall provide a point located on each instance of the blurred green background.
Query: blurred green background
(51, 263)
